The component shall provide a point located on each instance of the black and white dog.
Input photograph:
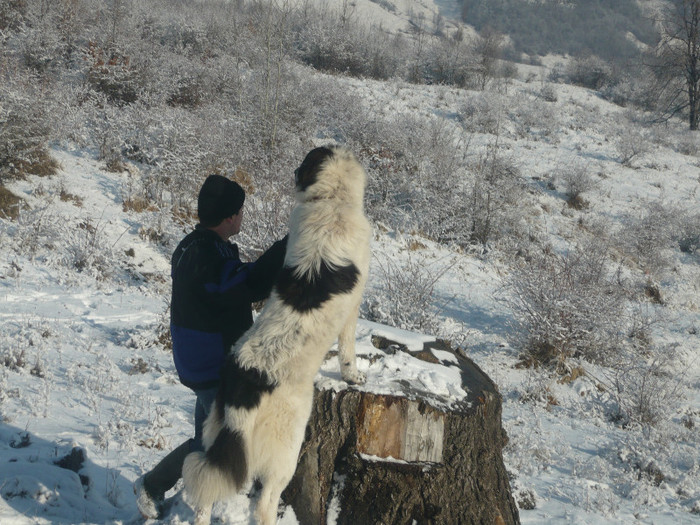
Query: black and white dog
(257, 425)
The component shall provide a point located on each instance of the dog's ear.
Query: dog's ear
(306, 174)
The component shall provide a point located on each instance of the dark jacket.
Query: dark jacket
(211, 301)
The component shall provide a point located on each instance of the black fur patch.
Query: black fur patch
(306, 174)
(304, 295)
(241, 387)
(228, 455)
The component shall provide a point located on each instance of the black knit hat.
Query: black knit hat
(218, 199)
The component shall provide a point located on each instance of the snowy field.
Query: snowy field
(83, 365)
(84, 296)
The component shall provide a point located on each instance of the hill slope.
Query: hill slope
(84, 286)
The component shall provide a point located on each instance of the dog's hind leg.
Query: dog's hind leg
(266, 511)
(202, 515)
(346, 350)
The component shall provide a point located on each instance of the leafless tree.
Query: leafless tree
(489, 49)
(676, 61)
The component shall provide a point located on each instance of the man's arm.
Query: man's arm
(262, 274)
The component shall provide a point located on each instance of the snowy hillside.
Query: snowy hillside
(83, 365)
(559, 172)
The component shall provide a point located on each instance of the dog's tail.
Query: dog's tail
(217, 473)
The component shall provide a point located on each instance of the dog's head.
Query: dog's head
(329, 172)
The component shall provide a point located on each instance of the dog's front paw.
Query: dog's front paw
(354, 377)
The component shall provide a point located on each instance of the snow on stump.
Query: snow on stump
(419, 443)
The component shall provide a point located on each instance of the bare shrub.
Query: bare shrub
(482, 113)
(647, 384)
(689, 233)
(338, 42)
(453, 62)
(632, 143)
(567, 305)
(548, 93)
(533, 118)
(405, 295)
(591, 72)
(648, 237)
(35, 228)
(87, 250)
(687, 144)
(495, 198)
(576, 180)
(24, 133)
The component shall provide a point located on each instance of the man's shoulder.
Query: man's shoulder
(206, 243)
(195, 244)
(197, 236)
(228, 250)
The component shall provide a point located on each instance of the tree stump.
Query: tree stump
(407, 447)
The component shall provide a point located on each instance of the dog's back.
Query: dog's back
(258, 423)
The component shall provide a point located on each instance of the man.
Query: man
(210, 309)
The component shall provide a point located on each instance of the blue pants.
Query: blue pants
(202, 407)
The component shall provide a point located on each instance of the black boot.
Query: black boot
(150, 488)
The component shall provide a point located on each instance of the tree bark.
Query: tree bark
(374, 458)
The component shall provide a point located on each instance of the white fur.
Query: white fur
(327, 225)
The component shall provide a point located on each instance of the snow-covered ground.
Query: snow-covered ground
(82, 365)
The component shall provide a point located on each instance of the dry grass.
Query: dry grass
(577, 202)
(415, 245)
(240, 175)
(69, 197)
(138, 204)
(39, 163)
(115, 165)
(152, 235)
(572, 376)
(243, 178)
(184, 216)
(653, 293)
(9, 204)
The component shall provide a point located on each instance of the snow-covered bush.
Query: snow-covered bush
(630, 88)
(87, 249)
(495, 199)
(533, 118)
(548, 93)
(33, 230)
(567, 305)
(405, 296)
(688, 143)
(631, 143)
(12, 13)
(419, 179)
(591, 72)
(648, 237)
(453, 62)
(689, 233)
(24, 130)
(9, 204)
(576, 180)
(483, 113)
(337, 42)
(416, 175)
(647, 384)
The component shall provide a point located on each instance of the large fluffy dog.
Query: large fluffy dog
(257, 425)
